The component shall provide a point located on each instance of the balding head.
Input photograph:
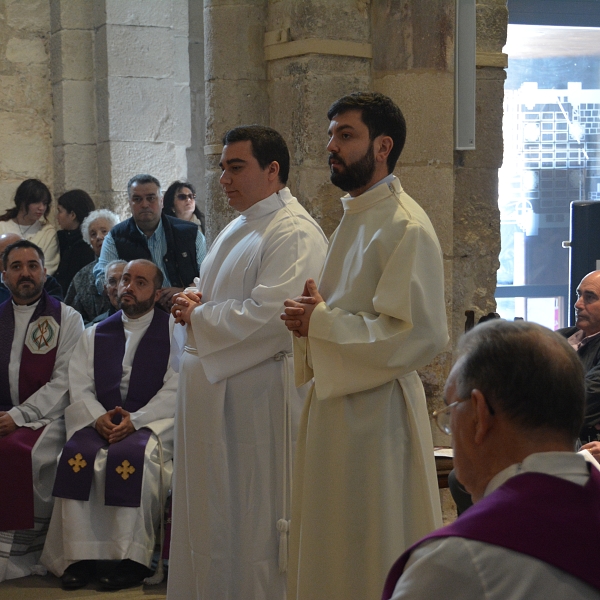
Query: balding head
(587, 307)
(6, 239)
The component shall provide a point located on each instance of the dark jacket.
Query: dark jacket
(180, 261)
(589, 354)
(75, 253)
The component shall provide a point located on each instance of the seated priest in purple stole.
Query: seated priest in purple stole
(37, 337)
(515, 404)
(116, 466)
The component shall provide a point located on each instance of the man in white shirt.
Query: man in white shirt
(237, 406)
(365, 485)
(515, 403)
(38, 335)
(116, 467)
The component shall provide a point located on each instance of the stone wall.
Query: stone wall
(25, 95)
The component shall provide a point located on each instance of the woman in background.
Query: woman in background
(72, 208)
(180, 201)
(29, 219)
(82, 294)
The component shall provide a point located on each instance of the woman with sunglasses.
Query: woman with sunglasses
(180, 201)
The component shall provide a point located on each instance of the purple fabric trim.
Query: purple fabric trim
(16, 499)
(545, 517)
(123, 487)
(35, 370)
(74, 481)
(147, 374)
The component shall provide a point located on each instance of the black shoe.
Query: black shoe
(126, 574)
(78, 574)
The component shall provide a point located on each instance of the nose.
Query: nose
(224, 179)
(331, 145)
(579, 304)
(100, 237)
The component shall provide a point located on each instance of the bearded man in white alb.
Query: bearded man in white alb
(38, 335)
(120, 441)
(237, 406)
(365, 484)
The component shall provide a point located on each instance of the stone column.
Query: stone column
(25, 96)
(72, 73)
(235, 87)
(317, 51)
(142, 93)
(414, 64)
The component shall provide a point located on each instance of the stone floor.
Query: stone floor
(48, 588)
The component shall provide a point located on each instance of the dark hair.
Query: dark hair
(169, 198)
(142, 178)
(31, 191)
(267, 146)
(525, 371)
(79, 202)
(21, 244)
(380, 114)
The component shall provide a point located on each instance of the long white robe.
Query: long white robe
(90, 530)
(365, 484)
(460, 569)
(228, 483)
(20, 550)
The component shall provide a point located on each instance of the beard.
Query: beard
(27, 294)
(137, 308)
(356, 175)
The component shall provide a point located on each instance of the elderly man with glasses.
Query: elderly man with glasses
(515, 403)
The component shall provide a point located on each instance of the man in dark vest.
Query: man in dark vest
(177, 247)
(37, 337)
(515, 403)
(116, 467)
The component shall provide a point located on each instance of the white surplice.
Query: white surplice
(20, 550)
(456, 568)
(365, 484)
(82, 530)
(228, 482)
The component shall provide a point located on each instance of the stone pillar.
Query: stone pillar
(195, 154)
(317, 51)
(413, 63)
(25, 96)
(476, 213)
(235, 87)
(142, 93)
(72, 73)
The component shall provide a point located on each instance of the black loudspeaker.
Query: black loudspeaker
(584, 245)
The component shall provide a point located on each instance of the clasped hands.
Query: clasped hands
(298, 311)
(184, 304)
(114, 433)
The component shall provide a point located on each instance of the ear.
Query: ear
(484, 420)
(157, 295)
(273, 171)
(383, 147)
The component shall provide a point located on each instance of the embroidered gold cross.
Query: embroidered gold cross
(125, 469)
(77, 463)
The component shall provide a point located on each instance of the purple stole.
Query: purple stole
(37, 363)
(125, 462)
(548, 518)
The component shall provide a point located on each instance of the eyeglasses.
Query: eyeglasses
(442, 417)
(186, 196)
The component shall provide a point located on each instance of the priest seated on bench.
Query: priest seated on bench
(119, 446)
(37, 337)
(515, 405)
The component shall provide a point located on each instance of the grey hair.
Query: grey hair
(101, 213)
(527, 372)
(112, 263)
(143, 178)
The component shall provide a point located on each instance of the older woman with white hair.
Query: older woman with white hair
(82, 294)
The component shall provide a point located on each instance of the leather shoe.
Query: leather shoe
(126, 574)
(78, 574)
